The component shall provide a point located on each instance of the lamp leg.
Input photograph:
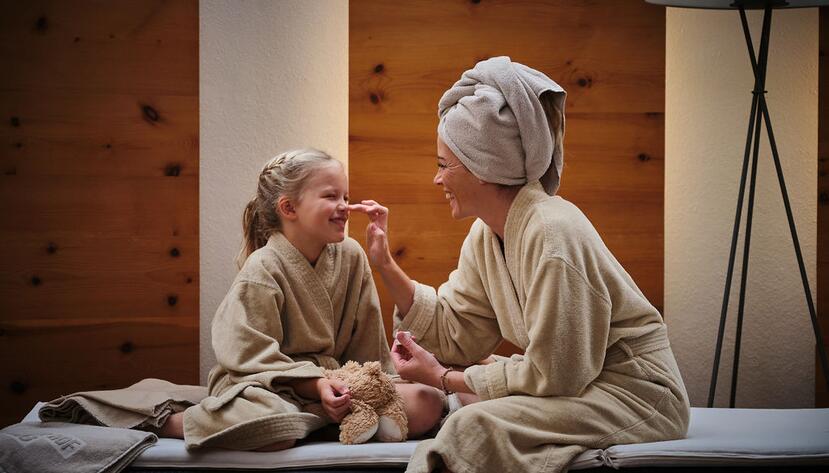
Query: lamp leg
(744, 272)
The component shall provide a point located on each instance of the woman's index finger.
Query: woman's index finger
(359, 208)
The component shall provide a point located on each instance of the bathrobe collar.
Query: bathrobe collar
(319, 279)
(517, 216)
(507, 267)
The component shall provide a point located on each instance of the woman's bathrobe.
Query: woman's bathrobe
(597, 368)
(281, 321)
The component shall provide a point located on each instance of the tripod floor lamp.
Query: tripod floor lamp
(758, 117)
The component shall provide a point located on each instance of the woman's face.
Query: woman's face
(461, 187)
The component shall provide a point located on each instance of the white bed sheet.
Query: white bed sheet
(716, 437)
(736, 437)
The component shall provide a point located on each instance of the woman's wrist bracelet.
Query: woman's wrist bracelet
(443, 382)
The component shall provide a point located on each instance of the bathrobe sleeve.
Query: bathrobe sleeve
(368, 337)
(456, 322)
(247, 332)
(568, 322)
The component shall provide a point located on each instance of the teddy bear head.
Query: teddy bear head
(367, 382)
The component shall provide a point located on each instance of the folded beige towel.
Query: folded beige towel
(494, 120)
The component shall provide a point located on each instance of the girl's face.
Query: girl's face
(459, 184)
(322, 209)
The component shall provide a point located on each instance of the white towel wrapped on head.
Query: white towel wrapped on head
(494, 120)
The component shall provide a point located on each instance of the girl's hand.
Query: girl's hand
(377, 239)
(414, 363)
(335, 398)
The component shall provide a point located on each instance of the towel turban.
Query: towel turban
(494, 121)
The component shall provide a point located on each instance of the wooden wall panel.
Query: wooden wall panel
(98, 196)
(608, 55)
(822, 286)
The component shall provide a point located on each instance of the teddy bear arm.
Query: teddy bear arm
(394, 426)
(359, 425)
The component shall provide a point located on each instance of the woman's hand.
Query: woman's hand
(400, 286)
(335, 398)
(414, 363)
(377, 239)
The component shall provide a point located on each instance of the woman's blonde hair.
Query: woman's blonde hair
(284, 175)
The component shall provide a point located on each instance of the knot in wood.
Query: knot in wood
(172, 170)
(150, 113)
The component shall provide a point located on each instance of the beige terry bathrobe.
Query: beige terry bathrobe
(597, 368)
(284, 320)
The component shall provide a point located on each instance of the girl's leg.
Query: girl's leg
(423, 405)
(467, 399)
(173, 427)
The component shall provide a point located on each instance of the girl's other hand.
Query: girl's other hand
(335, 398)
(377, 240)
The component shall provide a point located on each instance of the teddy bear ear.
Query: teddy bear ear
(351, 365)
(372, 367)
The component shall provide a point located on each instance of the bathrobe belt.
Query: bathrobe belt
(628, 348)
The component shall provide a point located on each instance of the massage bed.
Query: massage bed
(733, 439)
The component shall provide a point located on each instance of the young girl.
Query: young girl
(303, 301)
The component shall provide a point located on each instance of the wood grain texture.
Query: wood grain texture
(608, 55)
(99, 178)
(822, 286)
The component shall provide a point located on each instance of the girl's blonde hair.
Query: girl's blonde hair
(284, 175)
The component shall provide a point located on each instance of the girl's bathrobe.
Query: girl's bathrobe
(284, 320)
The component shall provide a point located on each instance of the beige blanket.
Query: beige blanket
(145, 404)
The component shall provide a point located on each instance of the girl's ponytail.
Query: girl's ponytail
(252, 238)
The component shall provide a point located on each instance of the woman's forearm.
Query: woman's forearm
(455, 383)
(399, 285)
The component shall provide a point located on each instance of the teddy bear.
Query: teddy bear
(376, 406)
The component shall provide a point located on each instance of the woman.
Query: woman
(597, 367)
